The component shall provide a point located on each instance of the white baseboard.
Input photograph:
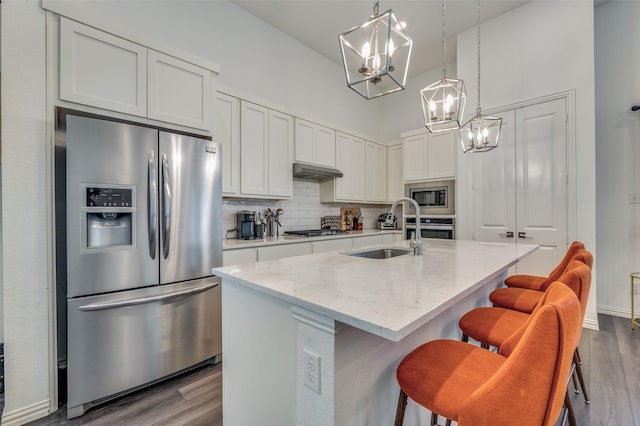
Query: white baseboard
(26, 414)
(616, 312)
(591, 324)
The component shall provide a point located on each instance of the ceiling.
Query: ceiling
(317, 23)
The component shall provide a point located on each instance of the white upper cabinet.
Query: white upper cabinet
(254, 145)
(314, 144)
(280, 154)
(350, 153)
(395, 186)
(266, 152)
(428, 156)
(376, 172)
(101, 70)
(179, 92)
(226, 130)
(104, 71)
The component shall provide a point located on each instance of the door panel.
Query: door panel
(541, 183)
(107, 155)
(520, 188)
(190, 207)
(493, 185)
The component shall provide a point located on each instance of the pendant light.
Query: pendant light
(481, 133)
(444, 100)
(376, 55)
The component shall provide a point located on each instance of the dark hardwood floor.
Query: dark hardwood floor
(610, 364)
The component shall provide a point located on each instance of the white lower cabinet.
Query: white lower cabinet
(234, 257)
(338, 244)
(368, 240)
(284, 250)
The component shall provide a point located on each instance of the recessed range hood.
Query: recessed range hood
(309, 171)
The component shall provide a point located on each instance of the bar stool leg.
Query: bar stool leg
(402, 404)
(578, 370)
(434, 419)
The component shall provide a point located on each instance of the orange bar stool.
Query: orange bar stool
(493, 326)
(476, 387)
(534, 282)
(525, 300)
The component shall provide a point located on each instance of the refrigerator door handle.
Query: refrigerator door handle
(143, 300)
(166, 201)
(152, 204)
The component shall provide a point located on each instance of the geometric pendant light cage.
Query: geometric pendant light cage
(443, 101)
(376, 55)
(482, 132)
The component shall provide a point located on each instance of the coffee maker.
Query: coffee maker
(245, 225)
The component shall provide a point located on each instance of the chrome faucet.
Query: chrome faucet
(416, 237)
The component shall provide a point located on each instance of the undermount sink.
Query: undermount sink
(381, 253)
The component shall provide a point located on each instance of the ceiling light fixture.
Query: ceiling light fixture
(481, 133)
(376, 55)
(444, 100)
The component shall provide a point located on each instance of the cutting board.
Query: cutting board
(346, 217)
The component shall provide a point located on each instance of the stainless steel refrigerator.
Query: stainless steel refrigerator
(143, 230)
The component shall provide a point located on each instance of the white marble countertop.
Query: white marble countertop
(386, 297)
(232, 243)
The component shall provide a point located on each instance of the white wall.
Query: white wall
(25, 243)
(539, 49)
(617, 61)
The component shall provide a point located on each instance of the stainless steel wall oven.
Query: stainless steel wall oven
(432, 227)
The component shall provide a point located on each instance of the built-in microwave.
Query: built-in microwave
(434, 198)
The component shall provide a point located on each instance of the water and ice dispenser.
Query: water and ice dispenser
(109, 216)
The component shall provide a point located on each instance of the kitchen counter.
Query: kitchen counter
(358, 316)
(232, 243)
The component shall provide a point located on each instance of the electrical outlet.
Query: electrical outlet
(312, 371)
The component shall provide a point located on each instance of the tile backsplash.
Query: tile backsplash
(303, 211)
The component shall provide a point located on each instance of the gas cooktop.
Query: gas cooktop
(315, 232)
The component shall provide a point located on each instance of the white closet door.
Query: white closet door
(541, 183)
(493, 187)
(520, 188)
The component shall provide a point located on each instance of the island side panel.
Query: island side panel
(366, 389)
(259, 358)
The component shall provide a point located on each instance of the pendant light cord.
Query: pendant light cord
(444, 44)
(478, 29)
(375, 8)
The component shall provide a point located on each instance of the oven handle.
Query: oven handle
(432, 227)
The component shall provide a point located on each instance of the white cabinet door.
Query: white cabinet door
(254, 158)
(280, 154)
(304, 144)
(415, 155)
(314, 144)
(284, 250)
(441, 155)
(395, 187)
(376, 172)
(520, 188)
(233, 257)
(350, 160)
(429, 156)
(325, 148)
(226, 130)
(101, 70)
(179, 92)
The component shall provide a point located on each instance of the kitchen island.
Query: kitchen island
(316, 339)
